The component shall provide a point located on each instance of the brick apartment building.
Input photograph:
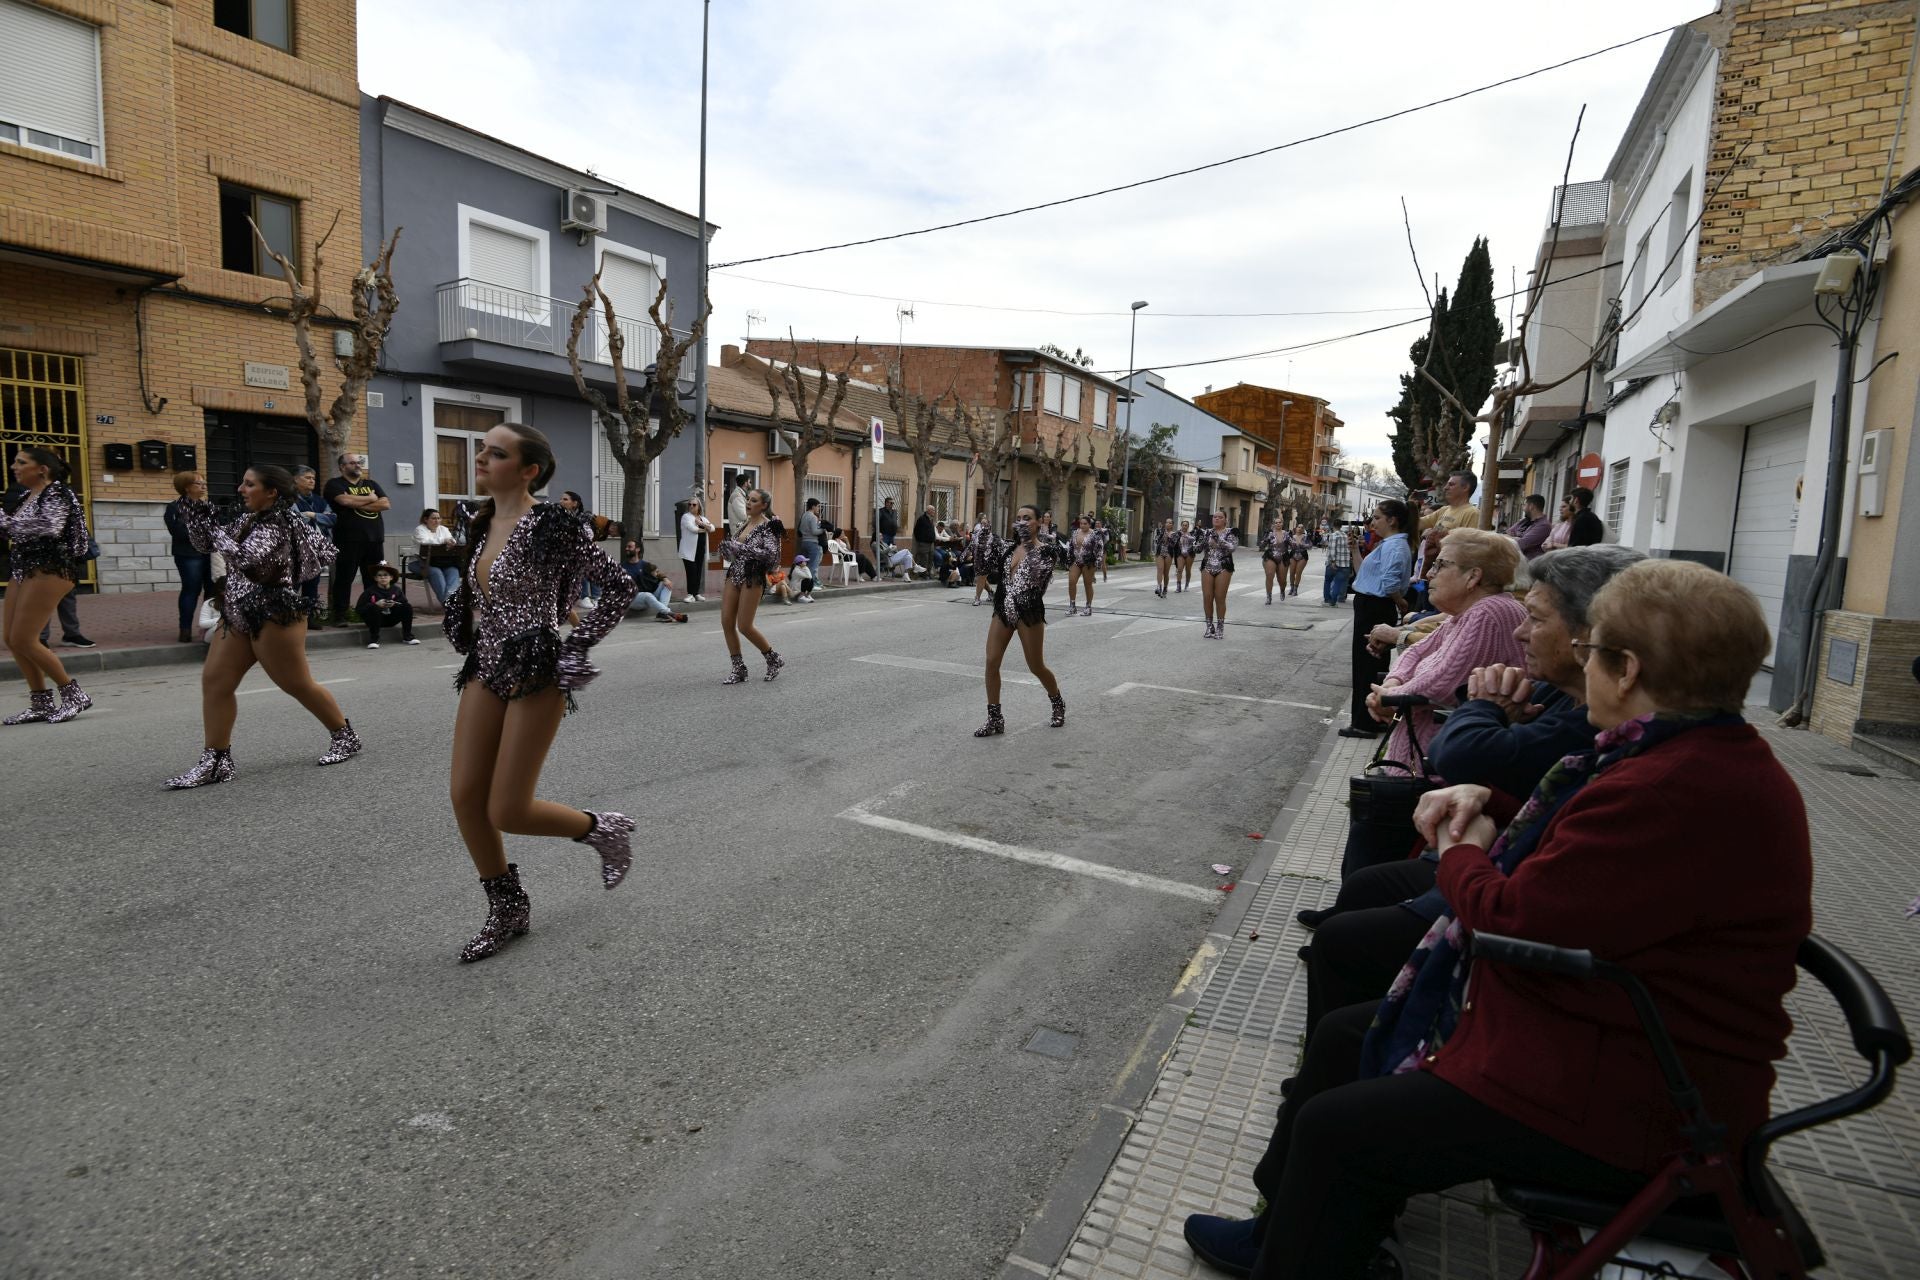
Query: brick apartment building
(1298, 430)
(136, 138)
(1051, 399)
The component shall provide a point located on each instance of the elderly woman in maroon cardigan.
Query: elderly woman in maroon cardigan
(1678, 849)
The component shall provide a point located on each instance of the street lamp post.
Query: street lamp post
(700, 302)
(1126, 465)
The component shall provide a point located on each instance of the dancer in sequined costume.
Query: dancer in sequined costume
(1215, 548)
(527, 561)
(980, 536)
(269, 551)
(48, 531)
(1019, 570)
(1276, 547)
(1165, 543)
(1184, 542)
(751, 554)
(1296, 559)
(1087, 552)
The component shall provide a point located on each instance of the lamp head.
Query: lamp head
(1138, 305)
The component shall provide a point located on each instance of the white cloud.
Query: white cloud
(841, 119)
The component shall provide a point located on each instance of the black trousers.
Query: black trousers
(1385, 884)
(1355, 957)
(1368, 613)
(694, 576)
(400, 615)
(355, 556)
(1346, 1154)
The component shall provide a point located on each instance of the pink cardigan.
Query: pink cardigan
(1440, 664)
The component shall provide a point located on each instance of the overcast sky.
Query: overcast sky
(832, 120)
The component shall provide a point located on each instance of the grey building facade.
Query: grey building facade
(497, 245)
(1224, 475)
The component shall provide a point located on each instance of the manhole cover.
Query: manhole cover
(1049, 1043)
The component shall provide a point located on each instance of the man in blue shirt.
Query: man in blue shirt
(1379, 595)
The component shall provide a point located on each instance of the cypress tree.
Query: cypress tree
(1473, 329)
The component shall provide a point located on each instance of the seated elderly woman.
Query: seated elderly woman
(1677, 848)
(1468, 583)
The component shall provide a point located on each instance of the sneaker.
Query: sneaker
(76, 641)
(373, 644)
(410, 640)
(669, 618)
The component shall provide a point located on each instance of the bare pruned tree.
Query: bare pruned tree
(637, 430)
(1058, 463)
(990, 435)
(812, 428)
(374, 302)
(927, 430)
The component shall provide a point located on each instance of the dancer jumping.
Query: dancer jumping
(1089, 552)
(1165, 540)
(751, 554)
(48, 531)
(1020, 570)
(524, 571)
(1215, 547)
(1274, 551)
(1185, 542)
(269, 552)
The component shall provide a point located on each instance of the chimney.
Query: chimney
(729, 356)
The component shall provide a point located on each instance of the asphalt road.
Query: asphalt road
(793, 1043)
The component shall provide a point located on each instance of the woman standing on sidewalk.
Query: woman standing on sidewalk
(527, 561)
(269, 552)
(1020, 571)
(196, 568)
(694, 529)
(1165, 543)
(1215, 548)
(1184, 542)
(48, 533)
(750, 555)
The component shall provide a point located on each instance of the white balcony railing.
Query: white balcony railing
(476, 310)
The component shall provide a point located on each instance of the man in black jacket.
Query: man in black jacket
(889, 526)
(1587, 529)
(923, 536)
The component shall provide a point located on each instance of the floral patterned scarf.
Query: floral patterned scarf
(1422, 1006)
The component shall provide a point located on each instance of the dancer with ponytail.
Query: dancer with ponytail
(1215, 548)
(48, 530)
(525, 567)
(751, 554)
(269, 551)
(1019, 571)
(1184, 542)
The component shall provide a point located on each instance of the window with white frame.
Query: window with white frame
(503, 266)
(1102, 398)
(631, 278)
(1679, 219)
(50, 82)
(1616, 497)
(1056, 391)
(827, 489)
(610, 486)
(1070, 408)
(943, 497)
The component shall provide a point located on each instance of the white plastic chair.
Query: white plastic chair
(846, 565)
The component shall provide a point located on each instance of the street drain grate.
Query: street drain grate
(1049, 1043)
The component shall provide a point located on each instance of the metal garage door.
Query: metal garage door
(1769, 511)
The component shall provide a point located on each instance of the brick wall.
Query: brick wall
(1811, 89)
(1883, 693)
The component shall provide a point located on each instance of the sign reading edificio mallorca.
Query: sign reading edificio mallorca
(267, 375)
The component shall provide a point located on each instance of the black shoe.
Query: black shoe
(76, 641)
(1355, 731)
(1313, 919)
(1231, 1245)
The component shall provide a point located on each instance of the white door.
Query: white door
(1768, 513)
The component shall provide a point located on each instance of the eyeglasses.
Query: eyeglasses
(1441, 562)
(1586, 649)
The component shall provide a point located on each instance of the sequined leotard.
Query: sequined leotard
(1216, 550)
(754, 554)
(510, 632)
(1019, 591)
(268, 553)
(1273, 546)
(1089, 551)
(1183, 543)
(48, 531)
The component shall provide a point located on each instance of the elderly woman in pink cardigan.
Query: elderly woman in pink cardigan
(1468, 582)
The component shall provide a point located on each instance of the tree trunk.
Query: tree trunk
(633, 501)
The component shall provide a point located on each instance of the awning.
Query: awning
(1745, 312)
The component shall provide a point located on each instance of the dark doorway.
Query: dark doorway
(236, 441)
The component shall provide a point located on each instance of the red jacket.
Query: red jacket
(1690, 866)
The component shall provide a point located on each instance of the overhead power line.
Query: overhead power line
(1214, 164)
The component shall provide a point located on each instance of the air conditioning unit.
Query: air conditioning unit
(583, 211)
(779, 444)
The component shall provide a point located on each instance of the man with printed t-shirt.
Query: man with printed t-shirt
(359, 532)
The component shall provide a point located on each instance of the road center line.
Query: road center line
(863, 815)
(1130, 685)
(942, 668)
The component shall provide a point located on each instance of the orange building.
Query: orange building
(1298, 428)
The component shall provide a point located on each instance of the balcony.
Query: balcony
(487, 324)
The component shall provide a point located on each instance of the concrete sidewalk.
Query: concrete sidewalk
(1191, 1144)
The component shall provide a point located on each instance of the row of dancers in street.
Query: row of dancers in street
(1283, 556)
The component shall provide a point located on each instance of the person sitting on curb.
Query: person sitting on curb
(656, 593)
(801, 580)
(384, 605)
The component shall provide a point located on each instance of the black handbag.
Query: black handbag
(1380, 804)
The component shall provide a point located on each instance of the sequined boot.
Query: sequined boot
(612, 837)
(40, 706)
(216, 765)
(1059, 710)
(996, 723)
(345, 743)
(739, 673)
(73, 700)
(774, 663)
(508, 910)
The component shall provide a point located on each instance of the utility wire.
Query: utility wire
(1202, 168)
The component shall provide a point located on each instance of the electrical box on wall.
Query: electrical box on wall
(1876, 461)
(403, 473)
(153, 455)
(119, 457)
(186, 457)
(1660, 497)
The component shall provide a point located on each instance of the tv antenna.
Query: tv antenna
(754, 318)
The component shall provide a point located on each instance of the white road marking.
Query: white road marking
(272, 687)
(1202, 693)
(1147, 626)
(943, 668)
(863, 814)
